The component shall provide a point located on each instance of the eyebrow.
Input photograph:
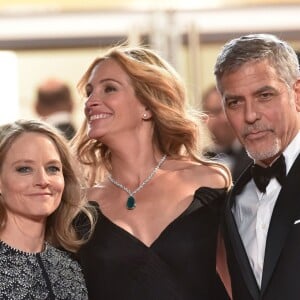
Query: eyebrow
(109, 79)
(104, 80)
(89, 84)
(226, 97)
(23, 161)
(264, 88)
(30, 161)
(257, 92)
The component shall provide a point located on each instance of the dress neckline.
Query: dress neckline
(18, 251)
(167, 228)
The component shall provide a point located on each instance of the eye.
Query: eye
(266, 96)
(88, 90)
(24, 169)
(53, 169)
(109, 89)
(232, 103)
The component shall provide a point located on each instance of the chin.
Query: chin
(94, 135)
(263, 154)
(38, 217)
(264, 150)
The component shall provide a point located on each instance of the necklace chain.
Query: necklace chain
(127, 190)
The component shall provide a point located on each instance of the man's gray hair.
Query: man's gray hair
(258, 47)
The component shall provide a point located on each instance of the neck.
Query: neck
(268, 162)
(130, 169)
(131, 203)
(26, 235)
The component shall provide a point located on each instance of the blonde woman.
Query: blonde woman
(159, 203)
(40, 197)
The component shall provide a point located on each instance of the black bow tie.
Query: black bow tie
(262, 176)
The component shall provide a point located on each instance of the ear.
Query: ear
(297, 94)
(146, 114)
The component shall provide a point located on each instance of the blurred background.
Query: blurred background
(42, 39)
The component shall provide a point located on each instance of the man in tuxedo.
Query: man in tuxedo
(258, 78)
(226, 147)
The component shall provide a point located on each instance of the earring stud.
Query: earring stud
(144, 115)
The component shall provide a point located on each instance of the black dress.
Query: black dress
(180, 264)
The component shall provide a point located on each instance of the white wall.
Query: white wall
(36, 66)
(9, 82)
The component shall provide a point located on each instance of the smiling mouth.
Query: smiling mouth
(41, 196)
(99, 116)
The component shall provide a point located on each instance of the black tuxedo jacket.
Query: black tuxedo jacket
(241, 161)
(281, 271)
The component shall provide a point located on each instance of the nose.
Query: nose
(90, 104)
(42, 179)
(251, 112)
(93, 100)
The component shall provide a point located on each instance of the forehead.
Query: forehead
(32, 143)
(251, 75)
(108, 68)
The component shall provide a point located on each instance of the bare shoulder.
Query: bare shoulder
(213, 176)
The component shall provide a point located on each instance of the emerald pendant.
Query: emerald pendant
(130, 203)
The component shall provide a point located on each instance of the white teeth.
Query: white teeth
(100, 116)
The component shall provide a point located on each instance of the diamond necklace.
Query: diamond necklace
(131, 204)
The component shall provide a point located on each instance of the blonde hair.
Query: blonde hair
(157, 86)
(60, 227)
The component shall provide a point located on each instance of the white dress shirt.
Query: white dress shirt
(253, 211)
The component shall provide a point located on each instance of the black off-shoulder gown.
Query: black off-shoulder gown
(180, 264)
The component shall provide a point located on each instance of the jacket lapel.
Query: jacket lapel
(235, 239)
(286, 206)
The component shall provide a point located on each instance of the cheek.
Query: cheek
(61, 184)
(237, 127)
(58, 185)
(56, 203)
(277, 119)
(234, 121)
(14, 201)
(14, 188)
